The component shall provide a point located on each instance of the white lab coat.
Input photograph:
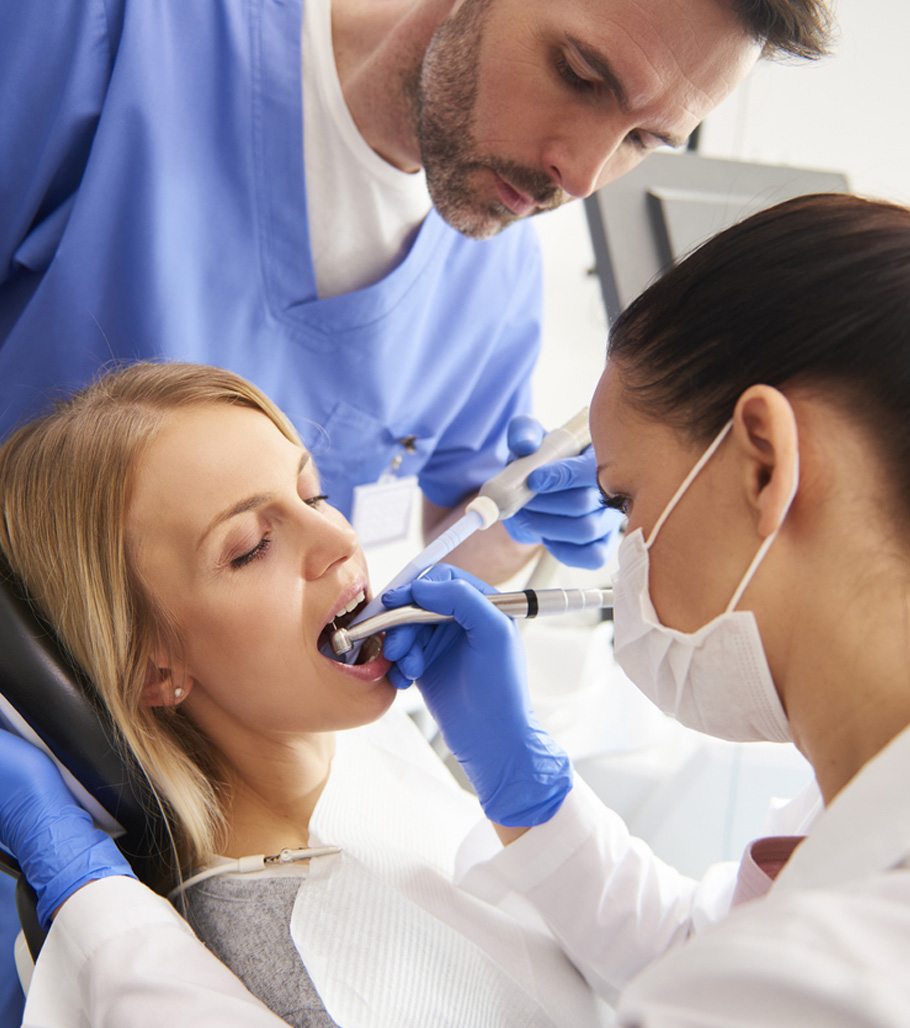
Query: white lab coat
(828, 945)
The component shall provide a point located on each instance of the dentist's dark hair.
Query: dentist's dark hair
(813, 292)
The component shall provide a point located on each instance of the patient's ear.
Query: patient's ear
(165, 686)
(764, 427)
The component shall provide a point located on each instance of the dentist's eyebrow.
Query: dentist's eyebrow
(600, 64)
(244, 506)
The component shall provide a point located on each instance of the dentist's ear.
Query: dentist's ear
(764, 426)
(165, 687)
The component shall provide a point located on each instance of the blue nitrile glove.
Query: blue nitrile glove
(566, 515)
(45, 829)
(471, 672)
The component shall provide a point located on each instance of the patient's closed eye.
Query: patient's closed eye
(254, 554)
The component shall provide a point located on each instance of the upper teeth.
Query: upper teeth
(358, 599)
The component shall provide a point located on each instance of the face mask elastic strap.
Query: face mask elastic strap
(751, 569)
(687, 481)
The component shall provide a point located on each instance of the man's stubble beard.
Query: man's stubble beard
(442, 92)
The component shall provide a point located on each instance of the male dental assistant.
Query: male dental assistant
(246, 184)
(240, 183)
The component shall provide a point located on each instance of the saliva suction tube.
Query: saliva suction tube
(498, 499)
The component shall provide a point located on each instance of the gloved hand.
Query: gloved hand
(45, 829)
(566, 515)
(471, 672)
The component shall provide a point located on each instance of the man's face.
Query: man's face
(524, 104)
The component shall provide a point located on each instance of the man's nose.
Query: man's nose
(579, 158)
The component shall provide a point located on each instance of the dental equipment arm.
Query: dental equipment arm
(528, 603)
(471, 673)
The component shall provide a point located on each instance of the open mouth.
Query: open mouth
(371, 647)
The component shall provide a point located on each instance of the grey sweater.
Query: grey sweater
(246, 923)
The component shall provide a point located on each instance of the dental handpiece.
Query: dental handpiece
(528, 603)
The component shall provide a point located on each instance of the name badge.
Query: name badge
(382, 510)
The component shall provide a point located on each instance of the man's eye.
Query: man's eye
(257, 551)
(314, 501)
(571, 78)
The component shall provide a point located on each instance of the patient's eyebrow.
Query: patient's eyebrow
(243, 506)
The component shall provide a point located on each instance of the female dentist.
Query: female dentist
(753, 423)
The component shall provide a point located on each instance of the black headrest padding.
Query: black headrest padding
(44, 687)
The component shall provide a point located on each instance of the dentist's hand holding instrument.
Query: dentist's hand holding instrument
(471, 673)
(564, 510)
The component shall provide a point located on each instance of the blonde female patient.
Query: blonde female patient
(169, 523)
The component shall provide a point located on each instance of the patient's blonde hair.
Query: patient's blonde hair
(65, 484)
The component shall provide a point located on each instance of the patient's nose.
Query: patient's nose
(328, 540)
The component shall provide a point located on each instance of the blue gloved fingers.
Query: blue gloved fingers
(406, 647)
(581, 530)
(397, 641)
(568, 473)
(462, 599)
(524, 435)
(398, 679)
(569, 502)
(437, 573)
(590, 557)
(412, 647)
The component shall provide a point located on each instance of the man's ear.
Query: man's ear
(764, 427)
(165, 686)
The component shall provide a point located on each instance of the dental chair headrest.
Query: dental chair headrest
(44, 687)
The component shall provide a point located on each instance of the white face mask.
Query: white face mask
(715, 680)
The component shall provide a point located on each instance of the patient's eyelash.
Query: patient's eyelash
(257, 551)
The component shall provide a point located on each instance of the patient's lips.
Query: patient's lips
(371, 664)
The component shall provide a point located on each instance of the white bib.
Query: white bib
(387, 938)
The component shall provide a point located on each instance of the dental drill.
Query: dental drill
(498, 499)
(528, 603)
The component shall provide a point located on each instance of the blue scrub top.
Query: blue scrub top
(153, 205)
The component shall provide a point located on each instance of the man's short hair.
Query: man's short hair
(796, 28)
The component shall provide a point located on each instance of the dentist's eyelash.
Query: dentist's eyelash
(615, 502)
(256, 553)
(314, 501)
